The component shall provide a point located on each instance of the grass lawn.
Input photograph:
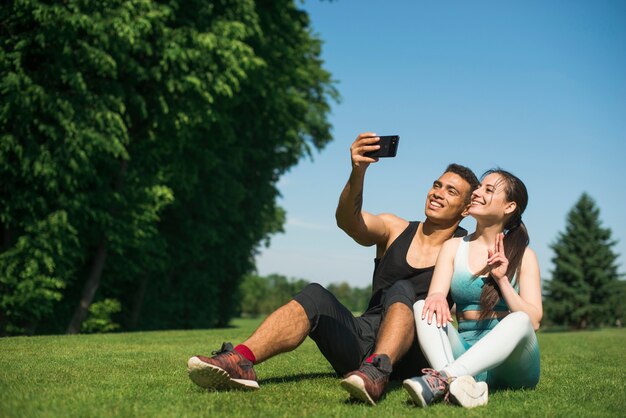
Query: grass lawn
(144, 375)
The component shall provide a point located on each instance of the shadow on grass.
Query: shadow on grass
(297, 377)
(392, 386)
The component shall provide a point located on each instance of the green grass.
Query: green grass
(144, 375)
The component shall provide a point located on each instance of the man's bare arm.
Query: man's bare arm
(363, 227)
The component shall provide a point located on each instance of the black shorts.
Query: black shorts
(345, 340)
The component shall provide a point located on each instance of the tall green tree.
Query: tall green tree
(586, 273)
(140, 147)
(68, 196)
(226, 193)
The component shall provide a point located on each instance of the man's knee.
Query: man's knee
(316, 301)
(315, 291)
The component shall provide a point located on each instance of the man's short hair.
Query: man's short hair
(467, 175)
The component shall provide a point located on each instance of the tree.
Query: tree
(585, 274)
(353, 298)
(263, 295)
(616, 301)
(74, 118)
(140, 149)
(226, 181)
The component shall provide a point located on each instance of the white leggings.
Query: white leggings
(505, 356)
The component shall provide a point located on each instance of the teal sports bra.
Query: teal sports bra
(465, 287)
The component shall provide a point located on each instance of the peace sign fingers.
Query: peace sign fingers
(500, 243)
(497, 259)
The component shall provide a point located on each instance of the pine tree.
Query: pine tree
(585, 274)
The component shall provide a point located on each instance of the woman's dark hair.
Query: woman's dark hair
(515, 238)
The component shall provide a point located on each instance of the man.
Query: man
(366, 349)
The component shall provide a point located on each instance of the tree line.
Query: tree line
(261, 295)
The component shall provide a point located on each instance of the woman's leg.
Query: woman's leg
(439, 345)
(509, 352)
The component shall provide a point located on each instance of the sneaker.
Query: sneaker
(227, 369)
(426, 389)
(368, 383)
(468, 393)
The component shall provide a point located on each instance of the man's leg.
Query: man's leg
(284, 330)
(395, 337)
(232, 368)
(396, 333)
(343, 339)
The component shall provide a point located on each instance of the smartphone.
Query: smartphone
(388, 147)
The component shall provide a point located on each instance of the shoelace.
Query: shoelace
(226, 347)
(377, 369)
(371, 371)
(436, 382)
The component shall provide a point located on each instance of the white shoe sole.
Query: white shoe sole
(468, 393)
(212, 377)
(356, 387)
(415, 392)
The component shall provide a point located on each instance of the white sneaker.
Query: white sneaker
(468, 393)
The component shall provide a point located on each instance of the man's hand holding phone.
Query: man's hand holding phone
(369, 147)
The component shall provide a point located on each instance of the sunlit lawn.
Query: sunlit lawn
(144, 375)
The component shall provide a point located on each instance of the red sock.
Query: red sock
(370, 358)
(246, 352)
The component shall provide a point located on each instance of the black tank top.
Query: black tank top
(393, 267)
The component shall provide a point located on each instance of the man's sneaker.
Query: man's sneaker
(369, 381)
(468, 393)
(426, 389)
(227, 369)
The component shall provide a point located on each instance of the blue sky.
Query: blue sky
(535, 87)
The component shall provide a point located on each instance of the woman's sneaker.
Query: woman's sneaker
(468, 393)
(429, 388)
(434, 385)
(227, 369)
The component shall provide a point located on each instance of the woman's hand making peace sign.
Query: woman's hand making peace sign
(497, 260)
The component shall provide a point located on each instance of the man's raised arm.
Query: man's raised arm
(363, 227)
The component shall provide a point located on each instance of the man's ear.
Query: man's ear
(466, 210)
(510, 208)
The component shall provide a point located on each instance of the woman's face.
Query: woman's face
(490, 200)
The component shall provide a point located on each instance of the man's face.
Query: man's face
(447, 198)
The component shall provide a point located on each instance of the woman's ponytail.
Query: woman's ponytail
(515, 240)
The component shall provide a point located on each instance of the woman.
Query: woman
(498, 308)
